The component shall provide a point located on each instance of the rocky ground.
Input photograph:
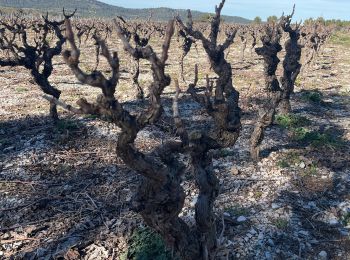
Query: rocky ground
(64, 193)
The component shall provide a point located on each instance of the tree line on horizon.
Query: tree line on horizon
(308, 21)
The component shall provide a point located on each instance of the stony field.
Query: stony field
(64, 193)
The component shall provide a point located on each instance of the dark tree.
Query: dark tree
(254, 34)
(291, 63)
(311, 42)
(186, 41)
(140, 33)
(244, 39)
(37, 56)
(160, 197)
(225, 108)
(272, 93)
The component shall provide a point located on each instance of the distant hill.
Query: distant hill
(93, 8)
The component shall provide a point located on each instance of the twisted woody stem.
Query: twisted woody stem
(291, 63)
(36, 57)
(226, 111)
(198, 144)
(272, 93)
(160, 196)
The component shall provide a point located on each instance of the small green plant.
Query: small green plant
(283, 163)
(299, 134)
(312, 96)
(146, 244)
(290, 159)
(298, 82)
(258, 194)
(310, 170)
(21, 89)
(291, 121)
(91, 116)
(64, 126)
(237, 210)
(326, 139)
(346, 219)
(281, 223)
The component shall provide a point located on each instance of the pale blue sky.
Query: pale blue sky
(338, 9)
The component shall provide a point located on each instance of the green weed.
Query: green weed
(66, 125)
(237, 210)
(290, 159)
(281, 223)
(283, 163)
(346, 219)
(317, 139)
(91, 116)
(312, 96)
(21, 90)
(313, 169)
(299, 134)
(146, 244)
(298, 82)
(291, 121)
(258, 194)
